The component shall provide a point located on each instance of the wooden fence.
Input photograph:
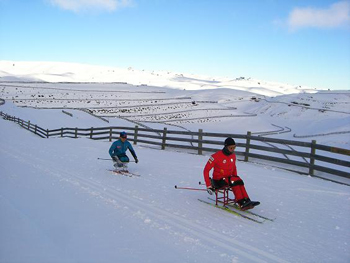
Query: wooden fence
(309, 157)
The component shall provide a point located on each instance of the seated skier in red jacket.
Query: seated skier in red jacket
(225, 174)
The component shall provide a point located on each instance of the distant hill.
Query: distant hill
(73, 72)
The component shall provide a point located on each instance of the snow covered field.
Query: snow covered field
(59, 203)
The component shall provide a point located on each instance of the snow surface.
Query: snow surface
(59, 203)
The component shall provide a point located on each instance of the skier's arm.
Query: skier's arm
(234, 172)
(132, 151)
(133, 154)
(207, 168)
(111, 149)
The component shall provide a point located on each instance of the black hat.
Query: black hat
(229, 141)
(123, 134)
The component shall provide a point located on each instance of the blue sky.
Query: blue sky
(301, 42)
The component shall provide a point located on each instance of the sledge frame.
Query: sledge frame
(222, 196)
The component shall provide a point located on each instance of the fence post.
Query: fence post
(47, 133)
(135, 134)
(28, 125)
(61, 132)
(91, 132)
(76, 132)
(164, 138)
(200, 141)
(35, 128)
(312, 157)
(110, 134)
(247, 144)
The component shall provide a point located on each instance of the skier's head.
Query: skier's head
(123, 135)
(229, 141)
(230, 144)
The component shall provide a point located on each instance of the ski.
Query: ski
(227, 209)
(252, 213)
(236, 207)
(132, 174)
(125, 173)
(119, 173)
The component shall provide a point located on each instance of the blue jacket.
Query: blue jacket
(119, 149)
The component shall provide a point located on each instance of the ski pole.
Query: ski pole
(111, 160)
(190, 188)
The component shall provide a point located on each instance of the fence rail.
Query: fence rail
(292, 153)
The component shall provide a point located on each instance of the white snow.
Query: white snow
(59, 203)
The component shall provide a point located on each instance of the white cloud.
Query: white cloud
(85, 5)
(337, 15)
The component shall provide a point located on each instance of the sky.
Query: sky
(300, 42)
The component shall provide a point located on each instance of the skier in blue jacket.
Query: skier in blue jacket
(118, 152)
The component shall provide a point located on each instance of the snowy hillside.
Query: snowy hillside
(60, 204)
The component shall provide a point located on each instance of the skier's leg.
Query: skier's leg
(241, 194)
(124, 160)
(243, 191)
(237, 187)
(237, 192)
(217, 184)
(125, 167)
(117, 163)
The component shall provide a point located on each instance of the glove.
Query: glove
(136, 160)
(210, 190)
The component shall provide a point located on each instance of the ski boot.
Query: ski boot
(246, 204)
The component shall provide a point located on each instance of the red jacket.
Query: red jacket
(224, 166)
